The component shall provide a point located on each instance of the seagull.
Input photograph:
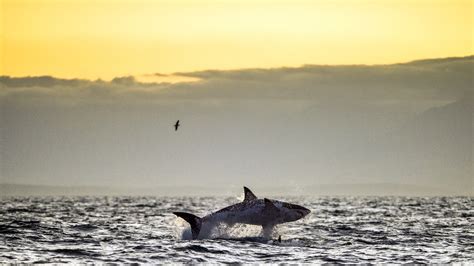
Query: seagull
(176, 125)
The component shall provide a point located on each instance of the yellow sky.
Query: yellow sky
(104, 38)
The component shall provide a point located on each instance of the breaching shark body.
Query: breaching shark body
(264, 212)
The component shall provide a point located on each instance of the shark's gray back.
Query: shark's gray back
(248, 212)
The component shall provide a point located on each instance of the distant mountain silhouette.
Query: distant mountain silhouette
(436, 146)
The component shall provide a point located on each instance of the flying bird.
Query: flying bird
(176, 125)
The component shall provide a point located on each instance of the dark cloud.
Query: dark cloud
(160, 74)
(128, 80)
(40, 81)
(429, 79)
(425, 80)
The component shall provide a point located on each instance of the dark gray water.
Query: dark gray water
(143, 230)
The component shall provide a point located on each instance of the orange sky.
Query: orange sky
(104, 39)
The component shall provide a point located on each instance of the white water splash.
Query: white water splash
(224, 231)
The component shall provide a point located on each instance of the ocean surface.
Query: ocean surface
(143, 230)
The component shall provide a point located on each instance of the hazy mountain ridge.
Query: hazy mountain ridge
(435, 144)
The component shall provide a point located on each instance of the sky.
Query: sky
(106, 39)
(294, 94)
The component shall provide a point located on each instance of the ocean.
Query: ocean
(144, 230)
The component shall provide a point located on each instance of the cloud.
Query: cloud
(40, 81)
(425, 80)
(159, 74)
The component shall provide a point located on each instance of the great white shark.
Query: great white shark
(252, 210)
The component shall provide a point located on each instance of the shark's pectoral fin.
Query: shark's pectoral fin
(249, 194)
(269, 206)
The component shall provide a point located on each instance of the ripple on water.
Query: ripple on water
(143, 230)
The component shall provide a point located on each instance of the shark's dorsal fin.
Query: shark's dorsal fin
(249, 194)
(269, 206)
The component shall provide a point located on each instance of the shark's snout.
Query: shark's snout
(297, 210)
(304, 211)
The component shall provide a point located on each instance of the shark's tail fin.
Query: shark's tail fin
(193, 220)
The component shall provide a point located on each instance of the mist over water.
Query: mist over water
(143, 230)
